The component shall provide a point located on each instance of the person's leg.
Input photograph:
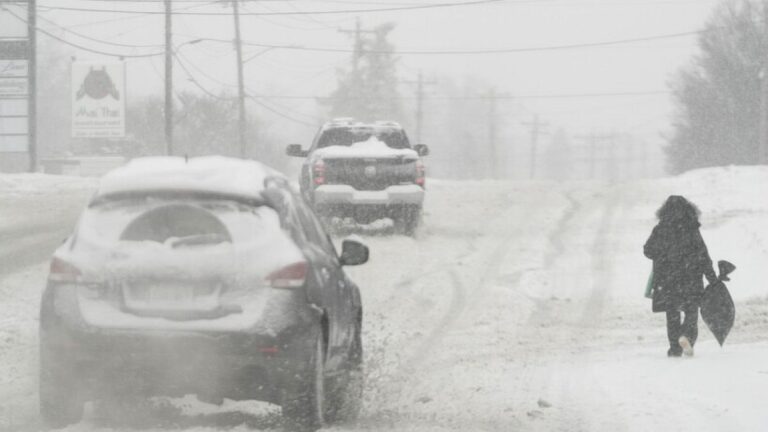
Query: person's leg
(673, 332)
(691, 324)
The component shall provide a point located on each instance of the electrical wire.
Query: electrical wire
(259, 102)
(251, 97)
(181, 58)
(65, 29)
(137, 15)
(82, 47)
(284, 107)
(500, 97)
(315, 12)
(483, 51)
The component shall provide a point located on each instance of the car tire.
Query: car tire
(305, 405)
(407, 221)
(61, 403)
(345, 396)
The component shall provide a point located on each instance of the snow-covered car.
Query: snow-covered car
(366, 171)
(207, 276)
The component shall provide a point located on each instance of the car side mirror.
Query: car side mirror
(421, 149)
(353, 253)
(295, 150)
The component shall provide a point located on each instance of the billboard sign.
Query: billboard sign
(14, 80)
(98, 99)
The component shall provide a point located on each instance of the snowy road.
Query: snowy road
(518, 307)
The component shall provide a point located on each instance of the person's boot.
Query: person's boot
(674, 351)
(685, 344)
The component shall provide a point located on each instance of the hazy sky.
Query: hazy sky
(637, 67)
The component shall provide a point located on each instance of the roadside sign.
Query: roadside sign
(14, 90)
(98, 99)
(14, 68)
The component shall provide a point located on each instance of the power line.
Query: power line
(253, 98)
(82, 47)
(65, 29)
(425, 52)
(261, 103)
(316, 12)
(483, 51)
(137, 15)
(498, 97)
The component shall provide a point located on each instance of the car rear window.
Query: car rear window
(176, 221)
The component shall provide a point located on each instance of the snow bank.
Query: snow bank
(734, 217)
(39, 184)
(372, 148)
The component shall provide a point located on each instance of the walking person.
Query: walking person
(680, 259)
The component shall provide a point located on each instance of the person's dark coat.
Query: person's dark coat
(680, 257)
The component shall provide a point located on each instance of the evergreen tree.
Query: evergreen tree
(718, 95)
(368, 91)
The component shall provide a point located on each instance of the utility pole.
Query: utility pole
(492, 129)
(611, 159)
(32, 80)
(240, 80)
(592, 140)
(168, 79)
(420, 87)
(762, 145)
(536, 127)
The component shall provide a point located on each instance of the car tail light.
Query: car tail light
(318, 171)
(292, 276)
(420, 173)
(62, 271)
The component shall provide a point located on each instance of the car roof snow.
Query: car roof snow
(209, 174)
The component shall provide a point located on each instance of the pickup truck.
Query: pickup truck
(364, 171)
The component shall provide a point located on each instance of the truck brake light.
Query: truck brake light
(420, 173)
(318, 171)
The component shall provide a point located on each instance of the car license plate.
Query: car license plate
(171, 293)
(168, 294)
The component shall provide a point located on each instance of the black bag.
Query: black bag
(717, 308)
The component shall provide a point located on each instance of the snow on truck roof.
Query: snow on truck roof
(208, 174)
(351, 122)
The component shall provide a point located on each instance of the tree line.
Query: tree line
(720, 95)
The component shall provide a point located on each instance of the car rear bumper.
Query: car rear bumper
(344, 194)
(236, 365)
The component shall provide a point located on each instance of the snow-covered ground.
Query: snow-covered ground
(518, 307)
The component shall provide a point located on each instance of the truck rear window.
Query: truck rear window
(393, 138)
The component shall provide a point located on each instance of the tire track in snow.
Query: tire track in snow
(396, 381)
(602, 270)
(539, 331)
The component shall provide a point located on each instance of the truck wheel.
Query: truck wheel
(407, 221)
(345, 398)
(305, 405)
(61, 403)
